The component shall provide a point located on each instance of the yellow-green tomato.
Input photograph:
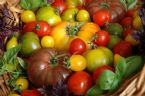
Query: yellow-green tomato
(96, 58)
(28, 16)
(77, 63)
(22, 82)
(12, 43)
(83, 16)
(47, 41)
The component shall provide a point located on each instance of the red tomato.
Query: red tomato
(29, 27)
(99, 70)
(77, 46)
(127, 22)
(130, 12)
(33, 92)
(127, 31)
(101, 17)
(88, 1)
(123, 48)
(42, 28)
(60, 5)
(79, 83)
(101, 38)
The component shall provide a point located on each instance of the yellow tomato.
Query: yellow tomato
(83, 16)
(77, 63)
(137, 23)
(22, 82)
(28, 16)
(47, 41)
(12, 43)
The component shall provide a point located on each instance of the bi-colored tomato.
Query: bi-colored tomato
(99, 70)
(42, 28)
(101, 38)
(79, 83)
(77, 46)
(101, 17)
(77, 63)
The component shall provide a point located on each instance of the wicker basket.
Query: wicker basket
(133, 87)
(13, 20)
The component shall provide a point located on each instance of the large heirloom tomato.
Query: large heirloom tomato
(65, 32)
(116, 9)
(44, 68)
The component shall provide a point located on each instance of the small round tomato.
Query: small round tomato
(60, 6)
(131, 12)
(83, 16)
(127, 32)
(47, 41)
(42, 28)
(99, 70)
(13, 94)
(127, 22)
(101, 38)
(22, 82)
(101, 17)
(29, 27)
(28, 16)
(77, 63)
(33, 92)
(77, 46)
(79, 83)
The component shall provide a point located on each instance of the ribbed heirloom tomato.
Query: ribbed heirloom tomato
(64, 32)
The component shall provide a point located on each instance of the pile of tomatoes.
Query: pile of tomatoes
(90, 40)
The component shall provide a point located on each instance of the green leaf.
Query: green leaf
(94, 91)
(10, 54)
(121, 67)
(21, 62)
(25, 4)
(133, 65)
(131, 4)
(106, 79)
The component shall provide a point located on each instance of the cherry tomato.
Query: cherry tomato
(22, 82)
(47, 41)
(28, 16)
(101, 38)
(77, 63)
(101, 17)
(77, 46)
(130, 12)
(33, 92)
(127, 22)
(42, 28)
(29, 27)
(99, 70)
(60, 5)
(79, 83)
(127, 32)
(123, 48)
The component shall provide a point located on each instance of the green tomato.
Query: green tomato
(30, 42)
(96, 58)
(69, 14)
(114, 29)
(72, 3)
(48, 14)
(31, 35)
(113, 41)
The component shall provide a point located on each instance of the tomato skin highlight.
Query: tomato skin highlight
(77, 46)
(42, 28)
(101, 17)
(79, 82)
(101, 38)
